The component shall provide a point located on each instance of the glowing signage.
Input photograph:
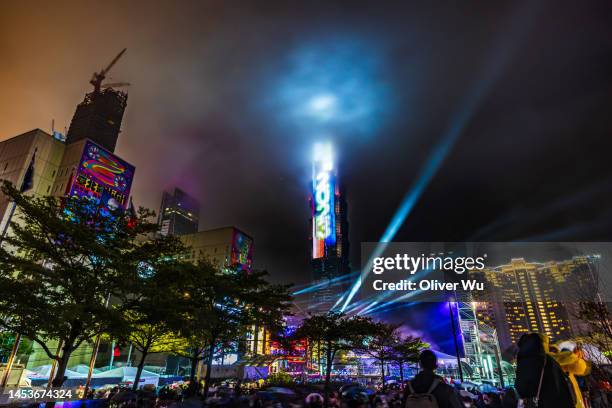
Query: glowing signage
(103, 177)
(242, 251)
(323, 194)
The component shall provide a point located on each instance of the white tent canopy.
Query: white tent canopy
(128, 374)
(445, 359)
(83, 369)
(45, 370)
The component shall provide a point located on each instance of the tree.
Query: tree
(380, 345)
(335, 332)
(59, 268)
(152, 319)
(7, 341)
(598, 328)
(406, 350)
(220, 306)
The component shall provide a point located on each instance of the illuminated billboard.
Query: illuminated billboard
(103, 177)
(242, 251)
(323, 199)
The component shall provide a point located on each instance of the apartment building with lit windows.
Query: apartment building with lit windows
(526, 296)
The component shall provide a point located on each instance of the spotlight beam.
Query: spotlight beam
(491, 72)
(325, 284)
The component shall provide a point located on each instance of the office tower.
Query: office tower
(98, 118)
(329, 238)
(179, 213)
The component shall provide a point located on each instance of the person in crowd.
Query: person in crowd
(510, 399)
(427, 382)
(467, 398)
(314, 400)
(380, 401)
(572, 362)
(334, 400)
(357, 399)
(599, 388)
(492, 400)
(540, 381)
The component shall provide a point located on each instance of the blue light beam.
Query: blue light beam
(491, 72)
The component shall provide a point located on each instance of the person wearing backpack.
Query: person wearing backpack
(428, 390)
(540, 380)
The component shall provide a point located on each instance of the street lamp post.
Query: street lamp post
(454, 330)
(9, 363)
(94, 355)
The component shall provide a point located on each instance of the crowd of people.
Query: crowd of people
(547, 376)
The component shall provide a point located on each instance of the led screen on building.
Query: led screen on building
(102, 176)
(242, 251)
(323, 194)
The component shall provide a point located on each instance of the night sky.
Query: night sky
(226, 102)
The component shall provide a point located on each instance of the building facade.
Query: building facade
(99, 118)
(226, 248)
(43, 165)
(179, 213)
(31, 162)
(539, 297)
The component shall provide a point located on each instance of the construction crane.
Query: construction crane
(98, 77)
(115, 85)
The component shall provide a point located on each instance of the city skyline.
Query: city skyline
(529, 150)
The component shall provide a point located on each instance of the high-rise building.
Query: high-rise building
(329, 238)
(43, 165)
(179, 213)
(98, 118)
(226, 248)
(528, 297)
(31, 162)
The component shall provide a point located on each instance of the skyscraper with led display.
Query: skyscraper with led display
(329, 229)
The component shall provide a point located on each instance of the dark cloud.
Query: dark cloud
(207, 111)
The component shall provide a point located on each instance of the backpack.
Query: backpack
(427, 400)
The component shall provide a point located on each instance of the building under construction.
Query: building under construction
(99, 116)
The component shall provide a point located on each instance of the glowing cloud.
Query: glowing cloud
(332, 86)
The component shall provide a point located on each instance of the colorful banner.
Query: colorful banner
(242, 251)
(104, 177)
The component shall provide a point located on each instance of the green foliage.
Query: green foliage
(407, 349)
(7, 341)
(151, 321)
(386, 345)
(61, 265)
(69, 273)
(217, 308)
(335, 332)
(280, 379)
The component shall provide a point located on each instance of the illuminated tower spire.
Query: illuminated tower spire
(329, 237)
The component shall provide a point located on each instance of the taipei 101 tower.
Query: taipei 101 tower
(329, 233)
